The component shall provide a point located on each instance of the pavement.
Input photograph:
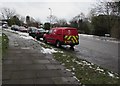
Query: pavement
(25, 64)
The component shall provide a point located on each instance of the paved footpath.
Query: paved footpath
(25, 64)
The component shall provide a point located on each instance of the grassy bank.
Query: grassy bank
(86, 72)
(4, 44)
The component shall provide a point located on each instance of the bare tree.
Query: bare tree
(80, 16)
(38, 20)
(7, 13)
(62, 22)
(52, 19)
(104, 7)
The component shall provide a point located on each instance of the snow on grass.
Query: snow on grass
(111, 75)
(76, 78)
(10, 30)
(99, 69)
(22, 34)
(60, 51)
(68, 69)
(48, 51)
(78, 62)
(27, 37)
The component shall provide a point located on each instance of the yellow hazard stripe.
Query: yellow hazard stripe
(77, 36)
(65, 37)
(75, 39)
(69, 38)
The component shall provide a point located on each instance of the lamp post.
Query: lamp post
(50, 15)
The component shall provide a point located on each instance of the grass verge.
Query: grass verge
(4, 43)
(86, 72)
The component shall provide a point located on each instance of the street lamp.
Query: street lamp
(50, 15)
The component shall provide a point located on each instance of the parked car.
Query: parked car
(15, 27)
(62, 36)
(23, 29)
(4, 26)
(39, 33)
(32, 31)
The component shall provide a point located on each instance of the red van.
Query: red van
(62, 36)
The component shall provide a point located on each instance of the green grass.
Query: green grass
(3, 44)
(86, 72)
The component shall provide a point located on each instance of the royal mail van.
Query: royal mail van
(62, 36)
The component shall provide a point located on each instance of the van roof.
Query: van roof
(64, 28)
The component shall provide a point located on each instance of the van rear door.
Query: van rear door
(71, 36)
(70, 32)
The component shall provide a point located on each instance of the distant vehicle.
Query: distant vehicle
(32, 31)
(62, 36)
(39, 33)
(23, 29)
(15, 27)
(4, 26)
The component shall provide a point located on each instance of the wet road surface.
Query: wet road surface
(100, 52)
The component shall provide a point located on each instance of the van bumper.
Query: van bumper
(63, 43)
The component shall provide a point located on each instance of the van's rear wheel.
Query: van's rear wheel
(72, 47)
(58, 44)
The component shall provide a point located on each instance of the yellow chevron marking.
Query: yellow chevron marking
(69, 38)
(75, 38)
(65, 37)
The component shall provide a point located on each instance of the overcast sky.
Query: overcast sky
(39, 8)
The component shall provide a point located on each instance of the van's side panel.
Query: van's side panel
(67, 36)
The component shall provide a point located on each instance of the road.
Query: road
(100, 52)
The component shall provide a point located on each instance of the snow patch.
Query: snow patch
(76, 78)
(10, 30)
(68, 69)
(85, 35)
(99, 69)
(22, 34)
(41, 39)
(68, 61)
(27, 37)
(78, 62)
(48, 51)
(111, 75)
